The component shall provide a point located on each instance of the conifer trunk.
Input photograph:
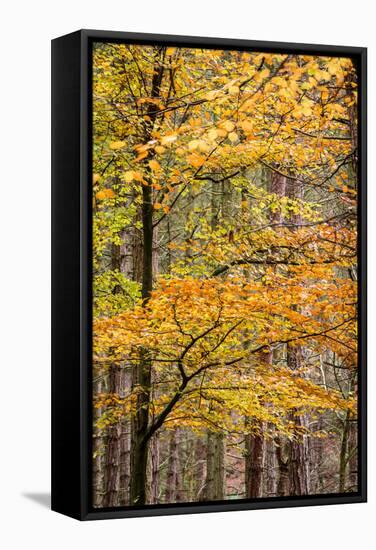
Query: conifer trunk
(98, 452)
(254, 465)
(112, 476)
(172, 468)
(215, 489)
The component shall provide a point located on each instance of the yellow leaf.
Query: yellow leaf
(228, 125)
(129, 176)
(117, 145)
(203, 146)
(157, 206)
(154, 165)
(96, 178)
(170, 51)
(213, 134)
(211, 95)
(166, 209)
(196, 160)
(100, 195)
(246, 126)
(323, 75)
(221, 132)
(192, 145)
(264, 73)
(234, 90)
(159, 149)
(233, 136)
(333, 67)
(166, 140)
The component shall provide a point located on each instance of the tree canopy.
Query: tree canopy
(224, 244)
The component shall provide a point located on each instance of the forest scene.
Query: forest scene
(224, 189)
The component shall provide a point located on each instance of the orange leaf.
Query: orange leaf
(154, 165)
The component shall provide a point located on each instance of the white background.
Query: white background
(27, 27)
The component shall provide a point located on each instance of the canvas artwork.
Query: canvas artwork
(224, 275)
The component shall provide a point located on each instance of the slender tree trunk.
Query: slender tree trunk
(125, 470)
(270, 479)
(112, 458)
(154, 469)
(353, 442)
(215, 489)
(172, 468)
(98, 452)
(299, 448)
(142, 372)
(278, 187)
(215, 443)
(113, 450)
(118, 440)
(343, 462)
(282, 456)
(316, 454)
(299, 472)
(254, 465)
(267, 460)
(125, 445)
(200, 477)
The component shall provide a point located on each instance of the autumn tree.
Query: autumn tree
(224, 257)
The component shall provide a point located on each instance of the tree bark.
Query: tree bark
(283, 484)
(172, 468)
(200, 470)
(254, 465)
(299, 473)
(343, 454)
(98, 451)
(125, 445)
(142, 372)
(154, 469)
(215, 489)
(112, 477)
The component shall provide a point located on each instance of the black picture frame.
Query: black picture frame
(71, 274)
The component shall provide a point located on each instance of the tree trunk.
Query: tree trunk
(118, 440)
(125, 445)
(200, 462)
(254, 464)
(215, 489)
(172, 468)
(283, 485)
(278, 187)
(299, 473)
(273, 453)
(142, 372)
(343, 454)
(154, 469)
(112, 477)
(98, 451)
(270, 479)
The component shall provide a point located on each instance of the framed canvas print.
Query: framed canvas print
(209, 275)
